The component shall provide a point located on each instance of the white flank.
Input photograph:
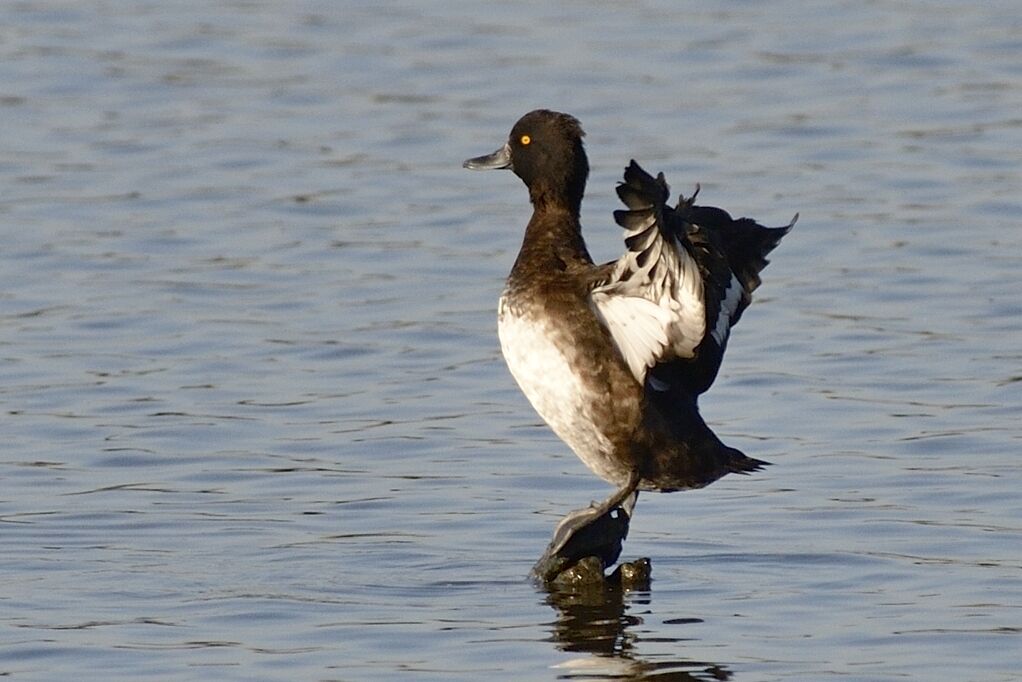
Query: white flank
(547, 375)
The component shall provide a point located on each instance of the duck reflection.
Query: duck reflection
(595, 619)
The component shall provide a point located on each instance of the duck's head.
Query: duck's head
(545, 150)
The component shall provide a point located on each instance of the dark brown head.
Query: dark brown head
(545, 150)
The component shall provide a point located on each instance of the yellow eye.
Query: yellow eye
(525, 139)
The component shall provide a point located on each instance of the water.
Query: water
(255, 422)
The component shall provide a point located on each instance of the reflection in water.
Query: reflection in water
(592, 620)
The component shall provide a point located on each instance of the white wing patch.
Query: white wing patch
(654, 318)
(728, 306)
(638, 327)
(686, 293)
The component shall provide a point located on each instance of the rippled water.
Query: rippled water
(255, 423)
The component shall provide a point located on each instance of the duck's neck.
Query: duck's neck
(553, 243)
(558, 196)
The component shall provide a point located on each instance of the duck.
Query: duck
(614, 356)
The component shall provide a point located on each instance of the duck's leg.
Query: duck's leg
(597, 530)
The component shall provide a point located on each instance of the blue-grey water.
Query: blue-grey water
(254, 421)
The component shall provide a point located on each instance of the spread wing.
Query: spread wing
(653, 304)
(688, 273)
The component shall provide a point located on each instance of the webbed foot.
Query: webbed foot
(596, 531)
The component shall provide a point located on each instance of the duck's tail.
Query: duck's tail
(740, 463)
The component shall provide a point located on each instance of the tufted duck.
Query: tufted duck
(613, 357)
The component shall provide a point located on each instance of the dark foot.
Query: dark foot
(592, 533)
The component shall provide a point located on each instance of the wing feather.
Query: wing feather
(638, 327)
(687, 274)
(653, 302)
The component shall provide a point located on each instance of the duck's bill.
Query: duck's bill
(498, 159)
